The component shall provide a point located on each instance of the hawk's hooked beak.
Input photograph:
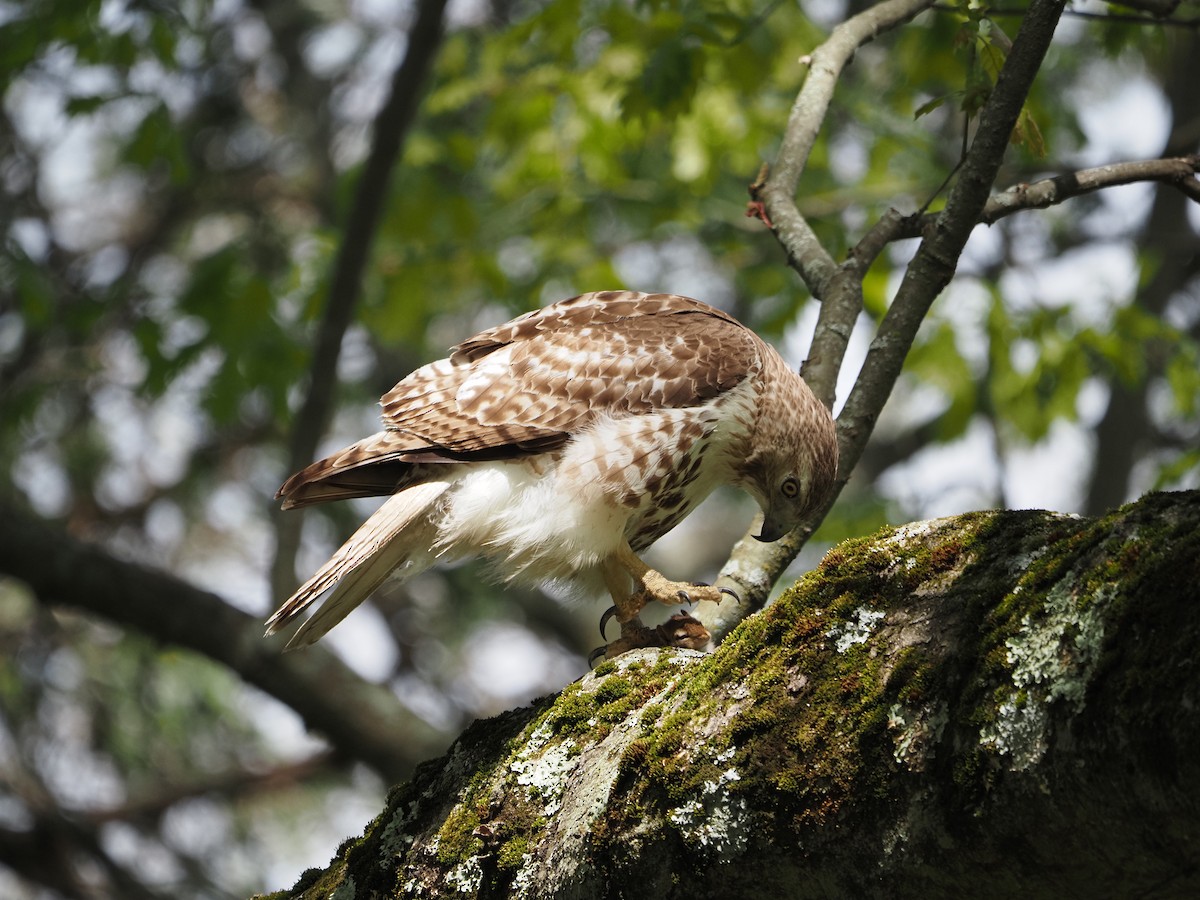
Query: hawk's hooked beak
(775, 525)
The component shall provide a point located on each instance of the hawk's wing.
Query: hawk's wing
(528, 385)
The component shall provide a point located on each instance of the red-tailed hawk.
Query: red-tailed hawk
(560, 444)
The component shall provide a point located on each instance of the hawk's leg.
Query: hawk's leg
(680, 630)
(651, 585)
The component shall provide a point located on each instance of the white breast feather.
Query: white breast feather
(557, 517)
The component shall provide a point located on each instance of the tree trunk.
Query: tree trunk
(997, 704)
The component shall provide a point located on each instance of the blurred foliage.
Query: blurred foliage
(175, 179)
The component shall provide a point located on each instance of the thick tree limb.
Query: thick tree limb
(1001, 704)
(391, 126)
(361, 720)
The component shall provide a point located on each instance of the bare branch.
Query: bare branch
(1178, 172)
(778, 192)
(1050, 191)
(362, 720)
(937, 257)
(754, 567)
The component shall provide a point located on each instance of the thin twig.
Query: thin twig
(1177, 171)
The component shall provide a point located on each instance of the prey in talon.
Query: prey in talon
(681, 630)
(560, 445)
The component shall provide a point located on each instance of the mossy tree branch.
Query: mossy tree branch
(995, 705)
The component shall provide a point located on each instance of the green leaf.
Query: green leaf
(926, 108)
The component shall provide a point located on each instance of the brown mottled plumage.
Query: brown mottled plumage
(558, 444)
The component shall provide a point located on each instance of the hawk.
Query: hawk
(559, 445)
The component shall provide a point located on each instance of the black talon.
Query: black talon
(608, 614)
(595, 655)
(736, 598)
(684, 596)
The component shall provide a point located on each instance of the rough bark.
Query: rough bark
(997, 704)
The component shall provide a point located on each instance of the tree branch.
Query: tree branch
(361, 720)
(391, 126)
(778, 191)
(937, 257)
(754, 567)
(996, 705)
(1178, 172)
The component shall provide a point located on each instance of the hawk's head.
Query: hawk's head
(796, 464)
(788, 497)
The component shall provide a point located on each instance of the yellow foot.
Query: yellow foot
(681, 630)
(657, 587)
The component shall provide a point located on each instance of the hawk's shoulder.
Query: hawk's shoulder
(598, 309)
(515, 388)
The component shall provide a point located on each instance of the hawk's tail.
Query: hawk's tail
(397, 536)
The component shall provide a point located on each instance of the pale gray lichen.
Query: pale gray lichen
(396, 839)
(916, 733)
(716, 819)
(1053, 657)
(544, 773)
(344, 891)
(856, 631)
(466, 877)
(575, 781)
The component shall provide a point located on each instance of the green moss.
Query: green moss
(512, 854)
(456, 837)
(815, 719)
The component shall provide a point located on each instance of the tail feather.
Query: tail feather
(373, 467)
(396, 533)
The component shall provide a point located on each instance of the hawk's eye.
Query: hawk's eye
(790, 487)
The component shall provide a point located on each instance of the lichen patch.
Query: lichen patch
(1053, 656)
(857, 630)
